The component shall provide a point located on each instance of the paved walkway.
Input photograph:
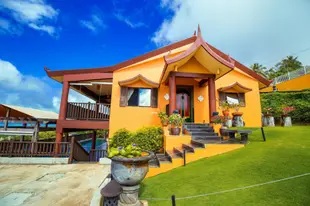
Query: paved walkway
(50, 184)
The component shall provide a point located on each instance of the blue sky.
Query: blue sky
(62, 34)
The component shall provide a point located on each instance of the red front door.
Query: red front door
(183, 104)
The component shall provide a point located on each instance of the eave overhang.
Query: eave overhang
(202, 52)
(236, 87)
(138, 78)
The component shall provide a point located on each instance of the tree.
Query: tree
(259, 69)
(288, 64)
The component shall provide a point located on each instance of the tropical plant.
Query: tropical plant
(130, 151)
(163, 117)
(176, 120)
(287, 109)
(235, 106)
(259, 69)
(225, 106)
(217, 119)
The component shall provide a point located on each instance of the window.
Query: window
(139, 97)
(142, 97)
(232, 98)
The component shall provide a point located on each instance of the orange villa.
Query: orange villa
(189, 75)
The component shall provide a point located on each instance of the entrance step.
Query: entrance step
(213, 137)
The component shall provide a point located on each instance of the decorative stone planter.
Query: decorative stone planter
(268, 121)
(286, 121)
(222, 133)
(129, 172)
(237, 120)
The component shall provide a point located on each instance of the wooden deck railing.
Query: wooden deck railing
(96, 154)
(33, 149)
(88, 111)
(77, 153)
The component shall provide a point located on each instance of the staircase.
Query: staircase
(204, 142)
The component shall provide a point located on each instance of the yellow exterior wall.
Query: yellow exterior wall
(252, 110)
(297, 84)
(134, 118)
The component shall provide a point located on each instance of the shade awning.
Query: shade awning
(237, 87)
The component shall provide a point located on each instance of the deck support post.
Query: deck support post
(7, 115)
(172, 94)
(93, 143)
(212, 98)
(64, 100)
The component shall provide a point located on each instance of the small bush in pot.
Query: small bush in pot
(176, 122)
(163, 118)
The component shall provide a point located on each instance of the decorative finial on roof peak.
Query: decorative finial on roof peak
(195, 33)
(199, 31)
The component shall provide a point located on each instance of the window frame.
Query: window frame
(139, 97)
(241, 103)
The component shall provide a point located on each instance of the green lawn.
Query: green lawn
(285, 153)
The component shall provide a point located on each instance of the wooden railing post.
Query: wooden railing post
(11, 148)
(71, 149)
(88, 109)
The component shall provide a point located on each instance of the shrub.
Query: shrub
(149, 138)
(121, 138)
(146, 138)
(299, 100)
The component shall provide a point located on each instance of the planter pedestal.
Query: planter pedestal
(287, 121)
(268, 121)
(130, 196)
(237, 121)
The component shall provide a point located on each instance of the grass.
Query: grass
(285, 153)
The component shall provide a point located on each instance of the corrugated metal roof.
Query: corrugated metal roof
(36, 113)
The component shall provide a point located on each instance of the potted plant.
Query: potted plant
(285, 119)
(236, 108)
(163, 118)
(220, 120)
(225, 106)
(268, 119)
(176, 122)
(129, 167)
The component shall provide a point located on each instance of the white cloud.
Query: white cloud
(49, 29)
(7, 27)
(13, 79)
(95, 22)
(127, 21)
(33, 13)
(250, 31)
(29, 91)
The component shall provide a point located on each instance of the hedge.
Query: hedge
(147, 138)
(299, 100)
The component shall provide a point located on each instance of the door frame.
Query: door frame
(190, 88)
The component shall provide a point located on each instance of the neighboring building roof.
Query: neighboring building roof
(35, 113)
(217, 53)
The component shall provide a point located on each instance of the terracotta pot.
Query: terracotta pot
(225, 113)
(175, 131)
(165, 123)
(237, 113)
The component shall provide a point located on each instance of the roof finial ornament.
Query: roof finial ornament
(195, 33)
(199, 31)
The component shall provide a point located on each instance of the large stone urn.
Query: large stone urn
(129, 172)
(237, 120)
(268, 121)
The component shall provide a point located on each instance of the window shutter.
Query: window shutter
(242, 98)
(222, 97)
(154, 97)
(123, 97)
